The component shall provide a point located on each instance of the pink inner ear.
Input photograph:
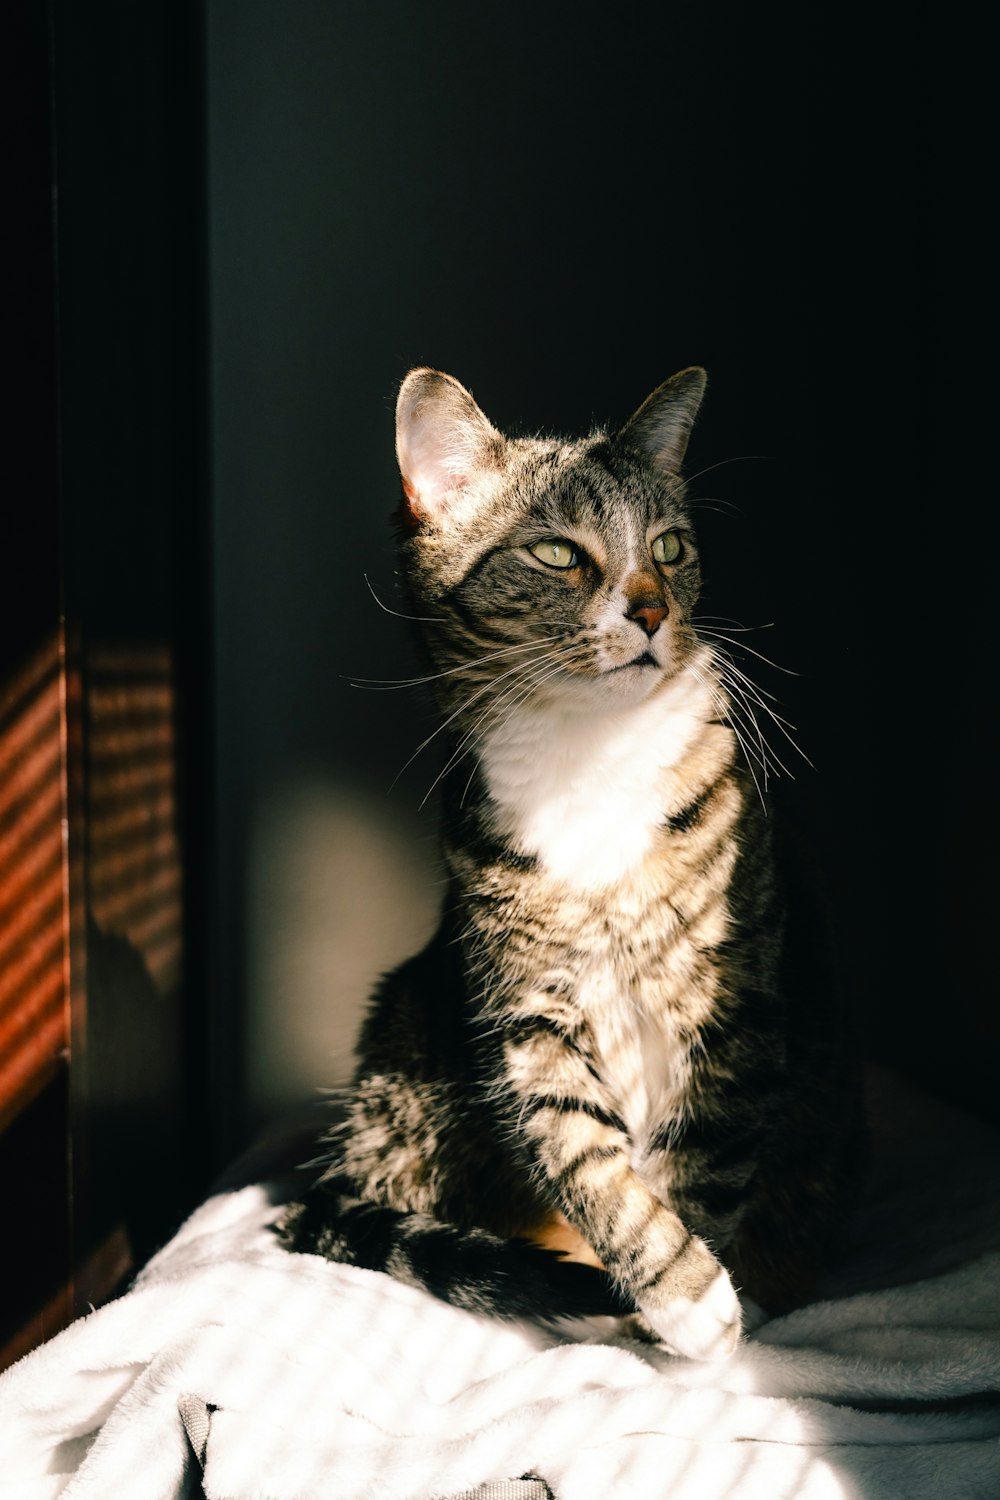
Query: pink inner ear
(416, 509)
(412, 511)
(431, 500)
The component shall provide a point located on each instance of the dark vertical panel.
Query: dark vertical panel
(34, 1030)
(104, 1056)
(36, 1260)
(128, 126)
(29, 594)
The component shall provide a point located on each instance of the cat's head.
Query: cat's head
(545, 570)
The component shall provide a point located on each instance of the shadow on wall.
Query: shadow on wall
(343, 885)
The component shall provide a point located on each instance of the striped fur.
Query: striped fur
(617, 1077)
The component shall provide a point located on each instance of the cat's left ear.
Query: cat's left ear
(661, 427)
(443, 443)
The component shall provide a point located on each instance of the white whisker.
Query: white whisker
(424, 619)
(769, 757)
(529, 674)
(725, 707)
(789, 671)
(730, 623)
(387, 684)
(731, 670)
(739, 458)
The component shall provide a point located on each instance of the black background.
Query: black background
(269, 212)
(561, 205)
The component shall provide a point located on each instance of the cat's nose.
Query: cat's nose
(648, 612)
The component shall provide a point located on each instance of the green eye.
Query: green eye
(666, 547)
(555, 553)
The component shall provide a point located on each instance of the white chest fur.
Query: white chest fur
(640, 1055)
(578, 788)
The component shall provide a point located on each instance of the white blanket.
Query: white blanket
(302, 1380)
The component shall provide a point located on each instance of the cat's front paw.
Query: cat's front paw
(702, 1325)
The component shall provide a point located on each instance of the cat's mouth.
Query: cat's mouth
(646, 659)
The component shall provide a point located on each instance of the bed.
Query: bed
(233, 1370)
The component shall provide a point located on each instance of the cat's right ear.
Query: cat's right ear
(443, 441)
(661, 427)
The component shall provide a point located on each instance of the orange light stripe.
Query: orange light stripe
(127, 741)
(46, 808)
(23, 775)
(31, 682)
(124, 700)
(146, 857)
(34, 996)
(32, 1049)
(159, 939)
(30, 726)
(41, 953)
(107, 787)
(131, 662)
(117, 827)
(37, 913)
(119, 910)
(27, 875)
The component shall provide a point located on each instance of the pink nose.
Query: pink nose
(648, 616)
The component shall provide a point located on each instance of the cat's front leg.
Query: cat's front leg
(583, 1149)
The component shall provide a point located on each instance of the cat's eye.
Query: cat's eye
(666, 547)
(555, 552)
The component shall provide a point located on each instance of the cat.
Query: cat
(618, 1078)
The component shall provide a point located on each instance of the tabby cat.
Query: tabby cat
(616, 1079)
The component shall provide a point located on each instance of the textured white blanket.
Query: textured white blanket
(301, 1380)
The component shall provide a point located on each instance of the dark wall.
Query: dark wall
(127, 276)
(562, 205)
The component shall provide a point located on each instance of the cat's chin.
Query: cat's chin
(631, 683)
(615, 687)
